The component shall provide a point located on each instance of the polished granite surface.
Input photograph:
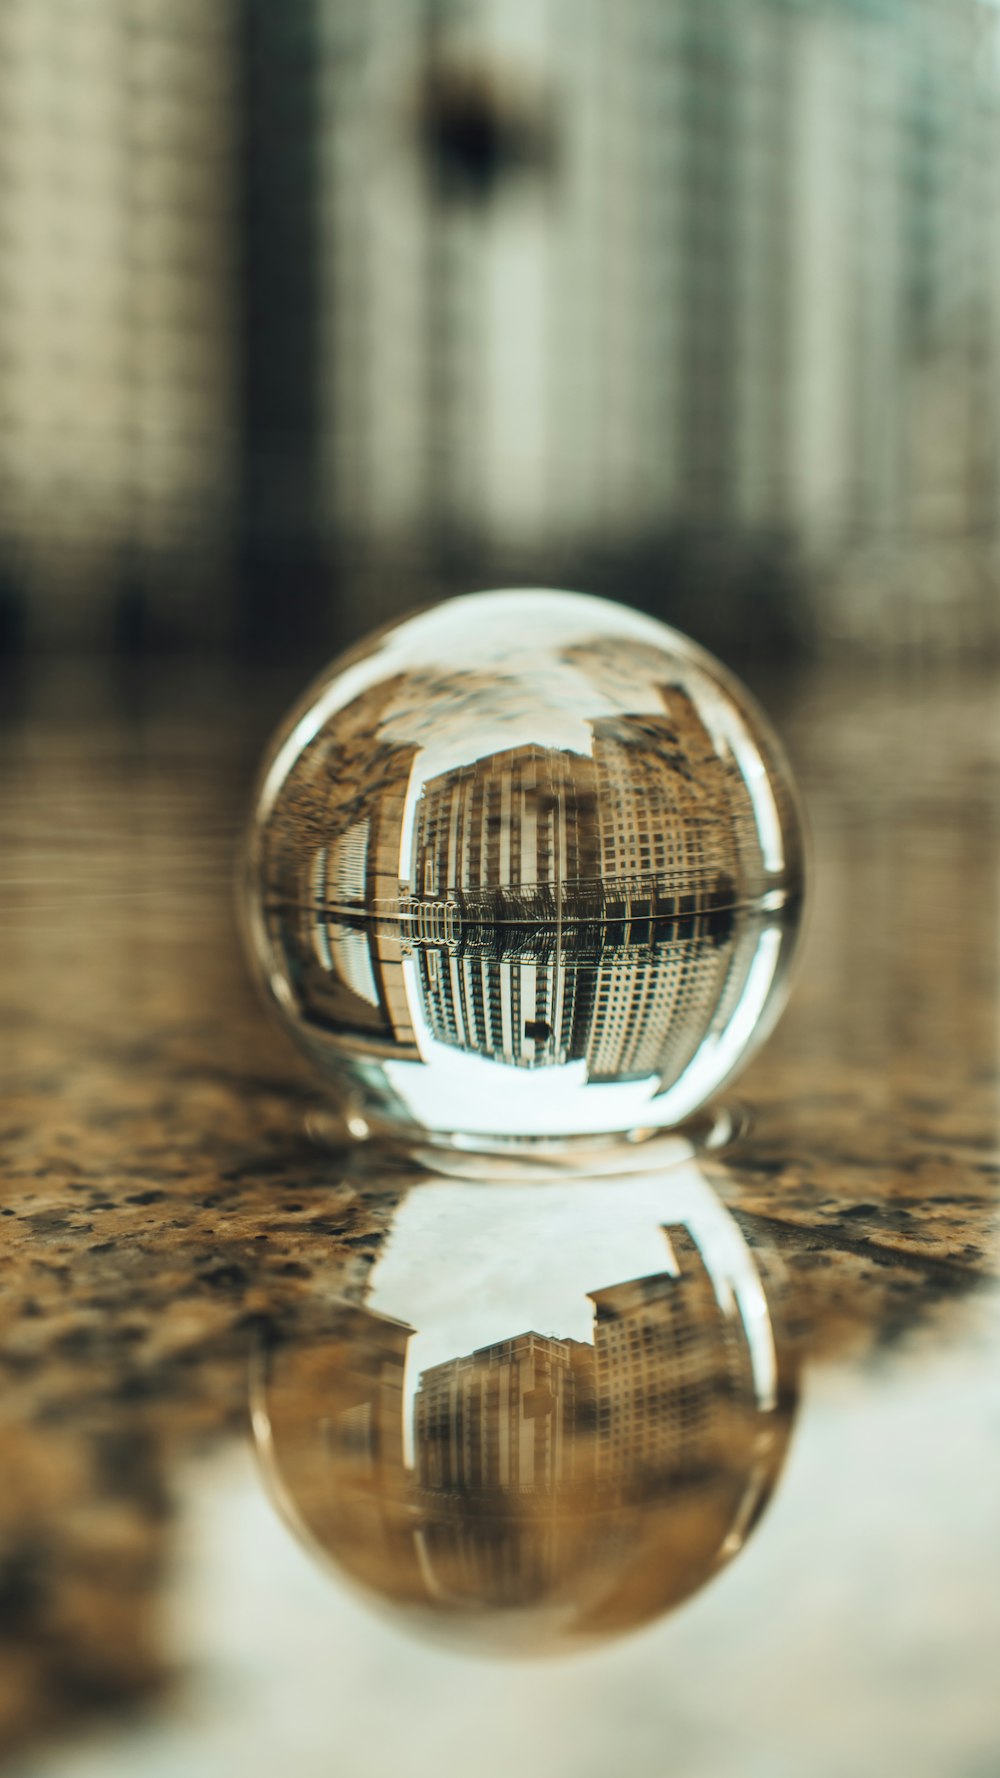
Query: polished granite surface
(164, 1214)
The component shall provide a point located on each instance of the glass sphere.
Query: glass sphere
(537, 1417)
(526, 865)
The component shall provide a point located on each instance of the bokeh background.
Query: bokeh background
(311, 311)
(315, 310)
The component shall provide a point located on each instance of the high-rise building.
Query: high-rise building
(695, 299)
(119, 372)
(335, 863)
(656, 800)
(530, 1014)
(652, 1398)
(664, 277)
(599, 854)
(333, 1394)
(669, 1362)
(669, 803)
(340, 1406)
(522, 820)
(649, 1011)
(363, 1429)
(512, 1418)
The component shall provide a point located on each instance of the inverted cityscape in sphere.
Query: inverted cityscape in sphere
(527, 864)
(590, 1464)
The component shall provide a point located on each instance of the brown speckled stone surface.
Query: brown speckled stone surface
(160, 1200)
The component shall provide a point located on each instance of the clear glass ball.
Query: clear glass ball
(526, 865)
(535, 1418)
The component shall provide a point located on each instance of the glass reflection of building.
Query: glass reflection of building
(667, 800)
(652, 1397)
(668, 1362)
(609, 1475)
(538, 1415)
(362, 1378)
(554, 907)
(346, 813)
(655, 815)
(524, 1013)
(506, 1419)
(524, 820)
(511, 842)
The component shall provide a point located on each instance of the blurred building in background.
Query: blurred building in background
(119, 305)
(310, 312)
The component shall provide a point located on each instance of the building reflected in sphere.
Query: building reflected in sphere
(524, 834)
(547, 1487)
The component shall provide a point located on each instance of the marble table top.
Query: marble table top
(163, 1209)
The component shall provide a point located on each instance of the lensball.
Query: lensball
(528, 865)
(526, 1420)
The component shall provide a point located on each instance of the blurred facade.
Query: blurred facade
(119, 343)
(310, 312)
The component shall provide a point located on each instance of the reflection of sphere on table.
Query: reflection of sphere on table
(525, 864)
(548, 1463)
